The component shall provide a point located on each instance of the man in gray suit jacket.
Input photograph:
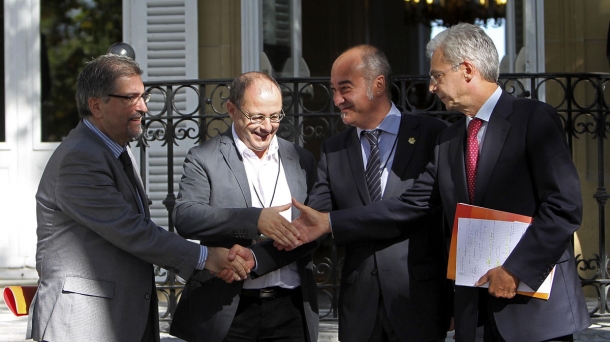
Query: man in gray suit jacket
(96, 242)
(235, 189)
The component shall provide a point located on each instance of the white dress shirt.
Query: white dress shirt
(268, 188)
(485, 114)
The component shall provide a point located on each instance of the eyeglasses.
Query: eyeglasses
(434, 78)
(260, 118)
(133, 99)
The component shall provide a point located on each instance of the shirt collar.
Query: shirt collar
(246, 152)
(485, 112)
(114, 147)
(389, 124)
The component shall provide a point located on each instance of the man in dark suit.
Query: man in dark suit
(96, 242)
(236, 188)
(507, 154)
(391, 290)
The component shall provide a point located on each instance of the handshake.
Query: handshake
(234, 264)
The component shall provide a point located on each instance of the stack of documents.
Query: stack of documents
(483, 239)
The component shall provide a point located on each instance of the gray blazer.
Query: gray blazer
(95, 249)
(214, 206)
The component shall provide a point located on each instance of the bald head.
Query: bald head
(371, 62)
(359, 79)
(241, 83)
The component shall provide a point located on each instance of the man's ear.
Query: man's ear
(231, 108)
(468, 70)
(379, 84)
(95, 106)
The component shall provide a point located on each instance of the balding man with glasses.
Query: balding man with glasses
(96, 243)
(236, 188)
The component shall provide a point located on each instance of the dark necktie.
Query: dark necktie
(129, 170)
(373, 171)
(472, 155)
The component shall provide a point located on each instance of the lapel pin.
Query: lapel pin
(411, 140)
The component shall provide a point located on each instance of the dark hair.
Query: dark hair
(99, 76)
(238, 87)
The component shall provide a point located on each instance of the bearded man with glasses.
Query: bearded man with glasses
(236, 188)
(96, 243)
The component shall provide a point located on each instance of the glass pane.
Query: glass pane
(277, 37)
(72, 32)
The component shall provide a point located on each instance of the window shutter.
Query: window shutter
(163, 34)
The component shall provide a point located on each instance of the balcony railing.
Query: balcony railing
(192, 111)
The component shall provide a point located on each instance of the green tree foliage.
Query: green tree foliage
(72, 33)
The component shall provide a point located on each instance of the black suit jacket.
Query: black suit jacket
(409, 269)
(525, 167)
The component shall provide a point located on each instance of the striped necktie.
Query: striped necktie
(373, 170)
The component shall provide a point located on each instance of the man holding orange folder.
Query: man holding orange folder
(506, 154)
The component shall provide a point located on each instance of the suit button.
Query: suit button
(147, 296)
(374, 272)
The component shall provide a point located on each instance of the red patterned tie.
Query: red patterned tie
(472, 155)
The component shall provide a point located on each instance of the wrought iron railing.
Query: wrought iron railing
(193, 111)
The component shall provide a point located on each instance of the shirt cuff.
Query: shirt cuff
(203, 256)
(330, 224)
(255, 262)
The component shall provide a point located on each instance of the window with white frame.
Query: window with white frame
(71, 33)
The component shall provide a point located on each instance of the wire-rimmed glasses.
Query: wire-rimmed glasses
(133, 99)
(260, 118)
(435, 78)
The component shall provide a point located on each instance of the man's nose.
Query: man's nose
(338, 99)
(266, 125)
(432, 87)
(141, 105)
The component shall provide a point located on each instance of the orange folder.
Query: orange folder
(18, 298)
(470, 211)
(474, 212)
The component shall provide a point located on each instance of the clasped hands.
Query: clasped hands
(235, 264)
(309, 226)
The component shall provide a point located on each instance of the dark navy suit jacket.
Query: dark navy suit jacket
(408, 269)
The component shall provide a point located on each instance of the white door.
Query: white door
(22, 154)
